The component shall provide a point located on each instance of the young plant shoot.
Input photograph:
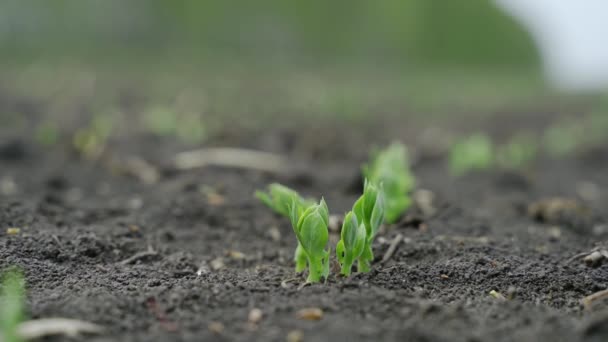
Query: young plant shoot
(310, 228)
(473, 153)
(352, 242)
(390, 168)
(11, 305)
(280, 198)
(369, 210)
(520, 151)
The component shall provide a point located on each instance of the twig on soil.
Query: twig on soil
(587, 301)
(38, 328)
(231, 157)
(593, 258)
(392, 248)
(150, 252)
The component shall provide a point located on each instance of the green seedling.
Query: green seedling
(561, 140)
(370, 211)
(390, 168)
(472, 153)
(91, 141)
(280, 198)
(11, 305)
(47, 134)
(352, 243)
(160, 120)
(311, 230)
(518, 152)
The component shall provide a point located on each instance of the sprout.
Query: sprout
(370, 211)
(310, 228)
(390, 168)
(563, 139)
(279, 199)
(518, 152)
(11, 305)
(473, 153)
(352, 242)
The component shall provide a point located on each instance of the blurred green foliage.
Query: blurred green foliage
(435, 32)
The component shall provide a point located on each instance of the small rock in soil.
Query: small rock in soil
(310, 314)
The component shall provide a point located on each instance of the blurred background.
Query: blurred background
(73, 59)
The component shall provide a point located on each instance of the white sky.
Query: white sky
(572, 36)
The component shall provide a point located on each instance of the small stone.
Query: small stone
(236, 255)
(8, 186)
(310, 314)
(588, 191)
(274, 233)
(135, 203)
(217, 264)
(215, 199)
(424, 201)
(255, 316)
(555, 233)
(13, 231)
(216, 328)
(498, 295)
(295, 336)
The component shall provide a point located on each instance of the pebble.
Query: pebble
(310, 314)
(255, 316)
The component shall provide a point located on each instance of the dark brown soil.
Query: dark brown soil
(79, 221)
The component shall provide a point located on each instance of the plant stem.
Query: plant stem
(366, 258)
(300, 258)
(315, 270)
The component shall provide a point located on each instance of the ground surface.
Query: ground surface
(219, 253)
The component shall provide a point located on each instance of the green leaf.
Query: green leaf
(389, 168)
(340, 252)
(377, 215)
(279, 197)
(360, 241)
(265, 198)
(313, 233)
(349, 231)
(11, 305)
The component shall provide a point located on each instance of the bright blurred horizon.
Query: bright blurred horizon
(561, 38)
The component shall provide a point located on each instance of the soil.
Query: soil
(219, 253)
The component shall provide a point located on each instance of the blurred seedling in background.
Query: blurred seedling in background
(390, 167)
(518, 152)
(11, 305)
(472, 153)
(164, 121)
(352, 242)
(562, 139)
(47, 134)
(91, 141)
(369, 210)
(283, 200)
(310, 227)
